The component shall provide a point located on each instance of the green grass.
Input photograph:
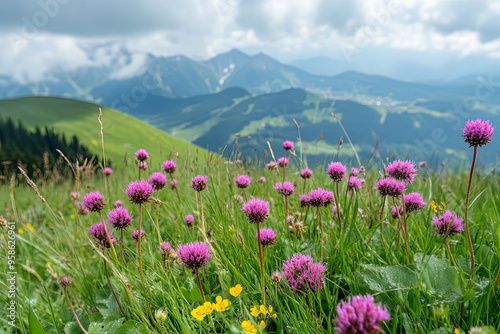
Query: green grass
(123, 134)
(424, 296)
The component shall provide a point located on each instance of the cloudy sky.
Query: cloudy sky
(37, 35)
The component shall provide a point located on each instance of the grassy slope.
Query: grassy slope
(122, 133)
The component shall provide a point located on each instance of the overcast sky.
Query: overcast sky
(36, 35)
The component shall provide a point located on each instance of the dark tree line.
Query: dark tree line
(19, 146)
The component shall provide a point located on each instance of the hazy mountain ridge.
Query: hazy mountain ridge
(180, 76)
(216, 120)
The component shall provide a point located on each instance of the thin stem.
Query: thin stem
(245, 194)
(338, 208)
(139, 243)
(286, 207)
(178, 196)
(157, 213)
(261, 266)
(130, 257)
(202, 216)
(105, 227)
(449, 252)
(381, 222)
(304, 190)
(407, 259)
(111, 287)
(72, 310)
(322, 235)
(405, 229)
(284, 167)
(121, 248)
(471, 250)
(199, 285)
(109, 188)
(77, 301)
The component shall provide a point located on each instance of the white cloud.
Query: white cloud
(83, 33)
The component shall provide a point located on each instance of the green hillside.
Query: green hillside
(123, 134)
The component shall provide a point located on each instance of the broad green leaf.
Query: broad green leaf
(35, 326)
(132, 327)
(108, 326)
(439, 279)
(106, 302)
(72, 327)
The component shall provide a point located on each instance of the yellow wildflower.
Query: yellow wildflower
(221, 305)
(263, 309)
(456, 329)
(30, 227)
(231, 228)
(20, 231)
(72, 216)
(275, 315)
(254, 311)
(433, 206)
(235, 291)
(207, 307)
(262, 324)
(270, 308)
(198, 313)
(48, 264)
(248, 327)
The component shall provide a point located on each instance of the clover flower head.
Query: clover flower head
(287, 145)
(166, 251)
(256, 210)
(304, 201)
(169, 166)
(285, 188)
(306, 173)
(354, 183)
(267, 237)
(157, 181)
(320, 197)
(107, 171)
(194, 255)
(390, 187)
(189, 220)
(99, 234)
(199, 182)
(119, 218)
(448, 224)
(303, 274)
(94, 201)
(336, 171)
(478, 132)
(242, 181)
(135, 235)
(282, 162)
(139, 191)
(360, 314)
(414, 202)
(272, 165)
(402, 170)
(142, 155)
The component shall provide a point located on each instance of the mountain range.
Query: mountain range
(255, 99)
